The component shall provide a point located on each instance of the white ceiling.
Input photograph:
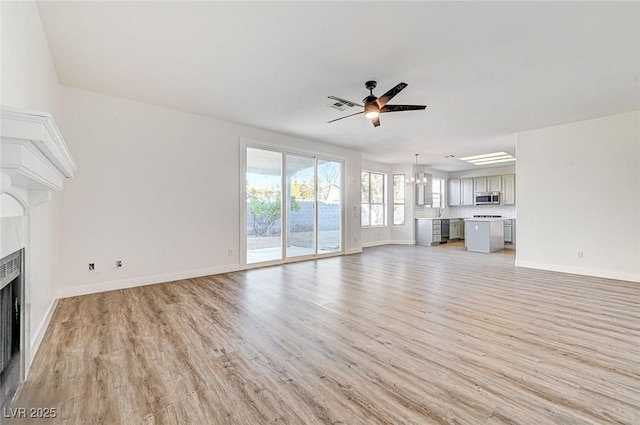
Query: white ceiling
(485, 70)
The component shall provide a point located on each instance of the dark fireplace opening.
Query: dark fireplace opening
(11, 296)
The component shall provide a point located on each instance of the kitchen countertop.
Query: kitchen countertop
(466, 218)
(487, 219)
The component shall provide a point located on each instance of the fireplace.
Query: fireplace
(12, 335)
(34, 163)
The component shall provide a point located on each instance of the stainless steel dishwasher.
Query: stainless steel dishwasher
(445, 230)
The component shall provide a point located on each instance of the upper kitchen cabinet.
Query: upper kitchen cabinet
(480, 184)
(494, 184)
(460, 192)
(454, 192)
(466, 193)
(488, 184)
(509, 189)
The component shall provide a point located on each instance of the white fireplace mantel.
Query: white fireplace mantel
(34, 158)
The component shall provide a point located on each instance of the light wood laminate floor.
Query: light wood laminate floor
(396, 335)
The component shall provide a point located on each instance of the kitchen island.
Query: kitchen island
(484, 234)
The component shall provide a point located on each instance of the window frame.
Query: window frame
(383, 204)
(395, 204)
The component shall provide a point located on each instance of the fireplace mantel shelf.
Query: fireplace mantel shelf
(34, 158)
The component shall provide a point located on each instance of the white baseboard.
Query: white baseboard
(353, 251)
(404, 242)
(375, 243)
(388, 242)
(113, 285)
(584, 271)
(38, 335)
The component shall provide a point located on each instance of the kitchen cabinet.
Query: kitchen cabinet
(494, 184)
(460, 192)
(484, 234)
(510, 231)
(480, 184)
(509, 189)
(454, 229)
(428, 231)
(466, 192)
(454, 192)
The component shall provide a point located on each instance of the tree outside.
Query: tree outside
(265, 205)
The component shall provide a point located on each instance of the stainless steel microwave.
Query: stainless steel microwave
(487, 198)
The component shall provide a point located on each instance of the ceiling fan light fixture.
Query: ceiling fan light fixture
(372, 114)
(371, 110)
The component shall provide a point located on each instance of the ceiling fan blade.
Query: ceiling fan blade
(382, 100)
(375, 121)
(400, 108)
(345, 101)
(346, 116)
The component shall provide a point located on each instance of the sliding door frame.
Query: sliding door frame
(284, 150)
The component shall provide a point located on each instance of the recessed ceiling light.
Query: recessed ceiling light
(494, 161)
(489, 158)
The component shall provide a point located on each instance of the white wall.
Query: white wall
(43, 263)
(28, 77)
(578, 189)
(29, 81)
(158, 189)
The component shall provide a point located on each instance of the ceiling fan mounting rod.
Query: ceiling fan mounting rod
(370, 85)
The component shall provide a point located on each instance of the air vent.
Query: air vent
(9, 268)
(340, 106)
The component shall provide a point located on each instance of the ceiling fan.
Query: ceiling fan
(374, 106)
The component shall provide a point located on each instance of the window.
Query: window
(372, 199)
(438, 193)
(398, 199)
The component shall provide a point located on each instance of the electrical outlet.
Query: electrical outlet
(580, 254)
(230, 252)
(92, 266)
(118, 263)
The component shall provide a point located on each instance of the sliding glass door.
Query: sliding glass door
(263, 203)
(301, 216)
(329, 206)
(293, 206)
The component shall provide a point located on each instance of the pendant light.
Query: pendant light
(415, 180)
